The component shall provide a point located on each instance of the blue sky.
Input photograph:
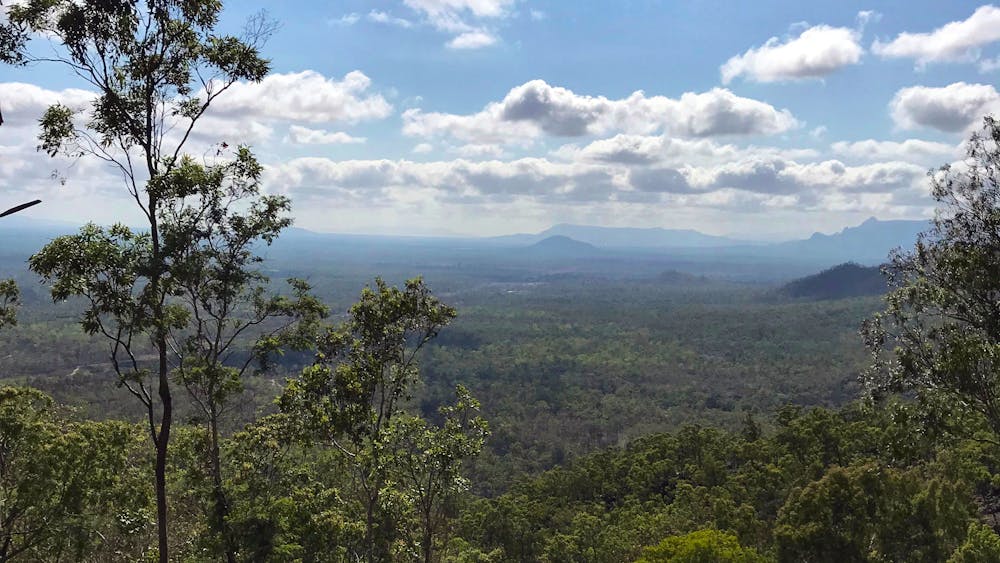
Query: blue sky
(479, 117)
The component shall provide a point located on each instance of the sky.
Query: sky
(757, 119)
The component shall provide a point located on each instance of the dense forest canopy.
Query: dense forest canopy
(173, 394)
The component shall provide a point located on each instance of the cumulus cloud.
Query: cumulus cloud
(952, 108)
(669, 180)
(780, 176)
(472, 40)
(246, 113)
(24, 104)
(535, 109)
(306, 96)
(910, 150)
(306, 136)
(816, 52)
(771, 179)
(478, 151)
(958, 41)
(663, 150)
(456, 181)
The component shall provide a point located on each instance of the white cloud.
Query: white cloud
(662, 150)
(23, 104)
(767, 180)
(306, 136)
(537, 15)
(387, 18)
(472, 40)
(478, 151)
(910, 150)
(989, 65)
(866, 17)
(305, 96)
(466, 20)
(814, 180)
(423, 148)
(346, 19)
(449, 8)
(535, 109)
(816, 52)
(958, 41)
(952, 108)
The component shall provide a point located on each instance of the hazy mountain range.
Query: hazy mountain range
(624, 237)
(867, 244)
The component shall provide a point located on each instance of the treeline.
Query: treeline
(340, 473)
(864, 483)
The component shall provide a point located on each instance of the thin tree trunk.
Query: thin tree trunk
(221, 503)
(161, 453)
(428, 546)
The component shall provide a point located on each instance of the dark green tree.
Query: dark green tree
(69, 488)
(939, 335)
(9, 295)
(156, 67)
(352, 399)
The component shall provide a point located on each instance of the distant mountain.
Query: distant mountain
(846, 280)
(559, 246)
(624, 237)
(868, 243)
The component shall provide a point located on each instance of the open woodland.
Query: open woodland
(215, 385)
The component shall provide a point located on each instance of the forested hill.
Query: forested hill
(845, 280)
(560, 246)
(754, 497)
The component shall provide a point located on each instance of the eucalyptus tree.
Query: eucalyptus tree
(352, 399)
(68, 490)
(429, 461)
(939, 335)
(156, 67)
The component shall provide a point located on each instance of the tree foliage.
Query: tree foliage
(939, 335)
(156, 67)
(403, 470)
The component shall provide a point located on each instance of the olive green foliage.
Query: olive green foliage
(69, 490)
(352, 399)
(858, 484)
(156, 68)
(703, 546)
(939, 335)
(981, 546)
(869, 513)
(9, 295)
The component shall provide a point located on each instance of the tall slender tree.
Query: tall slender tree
(156, 68)
(352, 399)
